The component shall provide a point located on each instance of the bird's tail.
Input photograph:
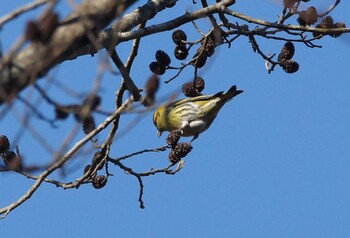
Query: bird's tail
(231, 93)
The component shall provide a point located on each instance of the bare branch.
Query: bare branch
(83, 32)
(331, 8)
(37, 58)
(129, 83)
(285, 27)
(25, 8)
(63, 159)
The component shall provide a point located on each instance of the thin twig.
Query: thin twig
(163, 148)
(178, 72)
(22, 9)
(35, 110)
(331, 8)
(122, 88)
(129, 83)
(134, 49)
(33, 131)
(142, 205)
(5, 210)
(284, 27)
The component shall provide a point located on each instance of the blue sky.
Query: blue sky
(275, 163)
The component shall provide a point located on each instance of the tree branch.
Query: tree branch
(90, 17)
(285, 27)
(64, 159)
(25, 8)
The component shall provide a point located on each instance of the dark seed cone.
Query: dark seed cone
(312, 15)
(173, 158)
(307, 17)
(290, 66)
(88, 124)
(32, 31)
(99, 181)
(161, 71)
(253, 43)
(153, 66)
(287, 52)
(152, 86)
(156, 68)
(289, 3)
(338, 25)
(179, 36)
(163, 58)
(49, 25)
(86, 168)
(4, 144)
(201, 59)
(148, 101)
(97, 160)
(189, 90)
(173, 137)
(327, 22)
(181, 52)
(61, 113)
(199, 84)
(11, 160)
(182, 149)
(210, 47)
(301, 19)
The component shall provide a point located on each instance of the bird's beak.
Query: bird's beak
(159, 133)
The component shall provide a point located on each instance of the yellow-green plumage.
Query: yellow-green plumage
(192, 115)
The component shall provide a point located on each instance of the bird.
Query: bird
(192, 115)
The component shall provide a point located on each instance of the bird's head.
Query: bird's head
(159, 119)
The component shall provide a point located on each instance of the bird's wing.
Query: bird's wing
(195, 99)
